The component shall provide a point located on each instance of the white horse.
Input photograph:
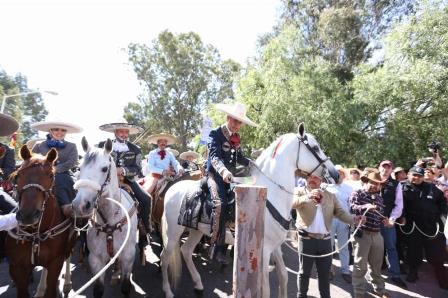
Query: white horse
(274, 169)
(98, 180)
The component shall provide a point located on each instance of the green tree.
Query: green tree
(26, 109)
(180, 75)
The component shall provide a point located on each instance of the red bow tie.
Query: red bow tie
(235, 140)
(162, 154)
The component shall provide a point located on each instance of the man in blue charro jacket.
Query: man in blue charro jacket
(224, 154)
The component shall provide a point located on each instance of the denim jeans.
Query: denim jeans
(341, 230)
(390, 242)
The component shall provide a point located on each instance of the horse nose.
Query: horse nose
(87, 207)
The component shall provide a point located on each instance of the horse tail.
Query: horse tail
(174, 263)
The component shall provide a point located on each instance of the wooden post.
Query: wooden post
(249, 233)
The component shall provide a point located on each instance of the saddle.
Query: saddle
(162, 187)
(197, 207)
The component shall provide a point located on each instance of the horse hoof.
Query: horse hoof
(199, 293)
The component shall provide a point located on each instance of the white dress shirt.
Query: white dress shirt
(8, 221)
(156, 165)
(318, 224)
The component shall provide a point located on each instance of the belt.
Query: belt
(370, 232)
(317, 236)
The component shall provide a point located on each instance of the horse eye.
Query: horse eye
(104, 169)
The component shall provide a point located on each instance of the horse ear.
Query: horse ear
(108, 146)
(52, 155)
(85, 144)
(301, 129)
(25, 153)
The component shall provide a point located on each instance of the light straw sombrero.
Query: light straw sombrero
(236, 111)
(174, 151)
(111, 127)
(185, 155)
(162, 136)
(47, 125)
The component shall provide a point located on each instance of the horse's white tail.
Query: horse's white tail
(172, 254)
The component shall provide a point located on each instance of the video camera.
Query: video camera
(434, 146)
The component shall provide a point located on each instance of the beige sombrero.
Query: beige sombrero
(47, 125)
(111, 127)
(165, 136)
(174, 151)
(237, 111)
(185, 155)
(8, 125)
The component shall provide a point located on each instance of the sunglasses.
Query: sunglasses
(59, 129)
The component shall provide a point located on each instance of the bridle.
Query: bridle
(321, 162)
(17, 193)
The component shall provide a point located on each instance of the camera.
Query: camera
(434, 146)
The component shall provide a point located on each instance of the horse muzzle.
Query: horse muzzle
(28, 218)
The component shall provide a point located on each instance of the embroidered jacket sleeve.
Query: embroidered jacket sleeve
(153, 167)
(67, 158)
(7, 163)
(214, 145)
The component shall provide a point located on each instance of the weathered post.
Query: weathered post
(249, 233)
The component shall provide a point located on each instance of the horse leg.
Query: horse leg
(54, 269)
(170, 258)
(282, 274)
(67, 278)
(40, 292)
(266, 290)
(116, 272)
(126, 262)
(20, 276)
(187, 251)
(97, 262)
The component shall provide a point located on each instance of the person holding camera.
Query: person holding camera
(424, 205)
(316, 209)
(368, 246)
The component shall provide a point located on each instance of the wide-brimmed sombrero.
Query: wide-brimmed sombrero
(174, 151)
(8, 125)
(111, 127)
(185, 155)
(47, 125)
(162, 136)
(236, 111)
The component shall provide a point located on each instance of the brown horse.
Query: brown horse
(43, 236)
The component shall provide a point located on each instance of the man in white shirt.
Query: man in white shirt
(161, 162)
(342, 191)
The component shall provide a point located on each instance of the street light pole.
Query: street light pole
(23, 93)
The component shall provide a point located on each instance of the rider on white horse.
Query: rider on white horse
(224, 153)
(66, 161)
(161, 161)
(127, 157)
(188, 160)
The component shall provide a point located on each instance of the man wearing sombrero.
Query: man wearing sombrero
(66, 161)
(8, 125)
(188, 160)
(224, 146)
(161, 161)
(127, 157)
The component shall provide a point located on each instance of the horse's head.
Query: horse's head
(312, 160)
(34, 182)
(96, 171)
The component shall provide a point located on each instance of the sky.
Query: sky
(78, 48)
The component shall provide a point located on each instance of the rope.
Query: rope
(112, 260)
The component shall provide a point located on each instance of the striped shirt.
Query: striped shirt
(357, 201)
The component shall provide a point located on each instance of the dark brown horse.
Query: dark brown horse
(43, 237)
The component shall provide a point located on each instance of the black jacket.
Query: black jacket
(7, 162)
(130, 160)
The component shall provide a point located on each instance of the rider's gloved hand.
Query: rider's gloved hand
(227, 176)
